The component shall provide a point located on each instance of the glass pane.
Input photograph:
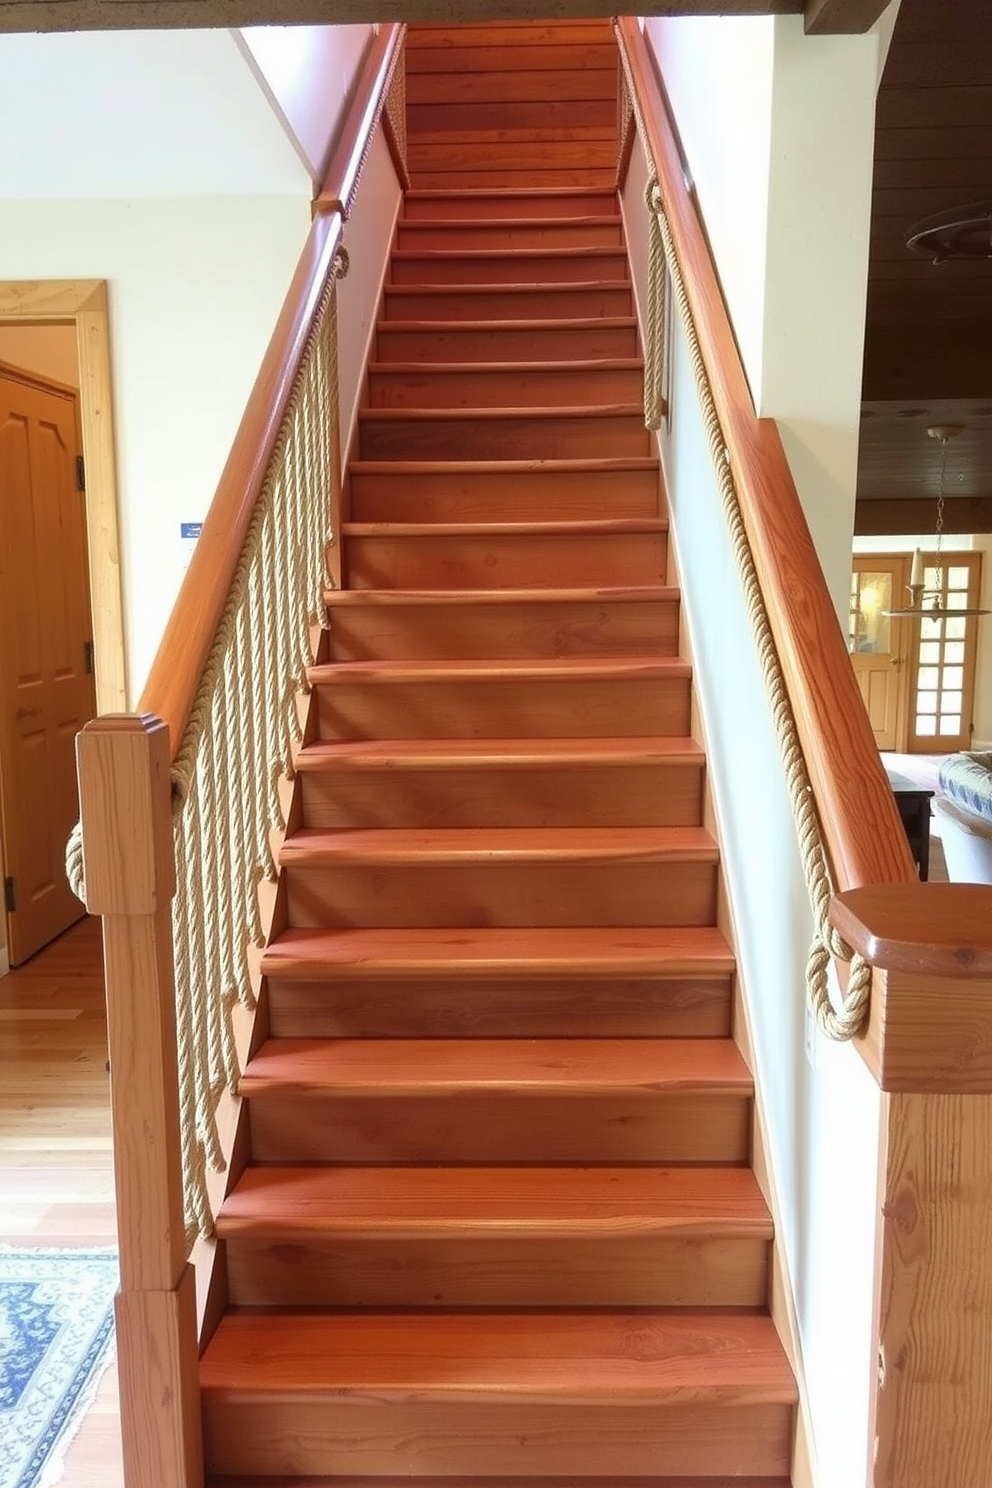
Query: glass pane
(953, 652)
(957, 578)
(931, 630)
(930, 651)
(929, 678)
(953, 677)
(926, 725)
(871, 626)
(926, 702)
(950, 724)
(955, 629)
(957, 599)
(950, 703)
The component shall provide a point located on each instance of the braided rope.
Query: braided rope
(237, 741)
(848, 1020)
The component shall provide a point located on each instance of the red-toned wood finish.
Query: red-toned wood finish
(498, 1215)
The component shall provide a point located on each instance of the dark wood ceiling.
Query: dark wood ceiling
(928, 344)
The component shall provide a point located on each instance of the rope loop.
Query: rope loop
(849, 1020)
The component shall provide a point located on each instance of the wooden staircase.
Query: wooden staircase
(497, 1220)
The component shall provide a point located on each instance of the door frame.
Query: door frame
(83, 303)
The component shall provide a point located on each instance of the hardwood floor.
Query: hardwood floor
(56, 1162)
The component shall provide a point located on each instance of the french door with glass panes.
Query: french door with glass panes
(942, 674)
(880, 644)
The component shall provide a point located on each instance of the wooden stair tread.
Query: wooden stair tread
(443, 255)
(293, 1201)
(433, 224)
(241, 1481)
(584, 1066)
(647, 593)
(494, 846)
(459, 369)
(452, 754)
(504, 287)
(578, 668)
(575, 323)
(499, 951)
(610, 464)
(606, 527)
(651, 1358)
(576, 411)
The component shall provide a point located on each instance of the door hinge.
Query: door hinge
(88, 658)
(10, 894)
(80, 473)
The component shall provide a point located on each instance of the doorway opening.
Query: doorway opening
(81, 306)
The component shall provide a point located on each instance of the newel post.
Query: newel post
(929, 1045)
(124, 793)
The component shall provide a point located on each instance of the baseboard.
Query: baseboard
(4, 961)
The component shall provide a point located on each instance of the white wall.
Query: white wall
(307, 72)
(135, 114)
(195, 287)
(799, 333)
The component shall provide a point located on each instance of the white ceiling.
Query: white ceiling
(138, 114)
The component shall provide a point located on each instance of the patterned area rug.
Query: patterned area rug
(56, 1331)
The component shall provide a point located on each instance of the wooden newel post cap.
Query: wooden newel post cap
(125, 806)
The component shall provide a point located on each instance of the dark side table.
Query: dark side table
(913, 803)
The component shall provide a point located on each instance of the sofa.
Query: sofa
(964, 813)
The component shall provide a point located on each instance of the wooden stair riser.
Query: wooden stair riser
(454, 494)
(509, 60)
(608, 1271)
(500, 1126)
(546, 707)
(354, 795)
(509, 341)
(501, 630)
(665, 893)
(470, 206)
(511, 266)
(383, 558)
(466, 386)
(582, 433)
(577, 84)
(561, 234)
(505, 176)
(480, 1007)
(327, 1436)
(588, 301)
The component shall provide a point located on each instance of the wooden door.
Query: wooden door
(942, 690)
(879, 643)
(46, 681)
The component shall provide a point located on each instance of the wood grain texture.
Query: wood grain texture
(935, 1293)
(160, 1398)
(84, 302)
(864, 835)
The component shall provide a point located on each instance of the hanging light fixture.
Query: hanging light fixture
(927, 604)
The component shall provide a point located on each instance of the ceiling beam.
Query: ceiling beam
(122, 15)
(836, 17)
(900, 515)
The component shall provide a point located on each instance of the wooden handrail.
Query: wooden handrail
(344, 170)
(175, 673)
(861, 824)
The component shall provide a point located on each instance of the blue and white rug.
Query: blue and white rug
(56, 1331)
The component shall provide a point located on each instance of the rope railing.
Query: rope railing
(665, 279)
(237, 742)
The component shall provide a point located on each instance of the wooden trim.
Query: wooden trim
(842, 17)
(178, 665)
(108, 15)
(347, 160)
(84, 303)
(864, 835)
